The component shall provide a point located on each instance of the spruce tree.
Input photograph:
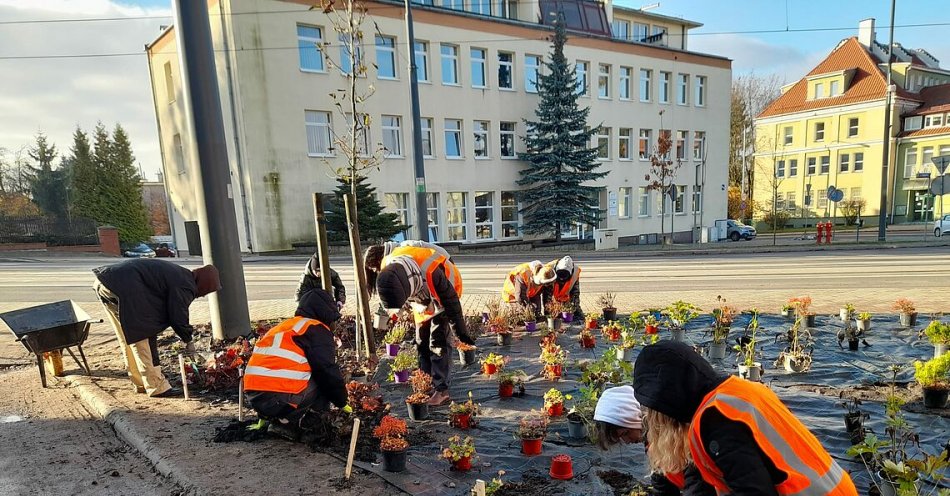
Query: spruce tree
(561, 162)
(48, 185)
(375, 225)
(84, 178)
(124, 188)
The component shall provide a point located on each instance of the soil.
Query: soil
(910, 392)
(533, 483)
(329, 432)
(620, 482)
(237, 431)
(420, 437)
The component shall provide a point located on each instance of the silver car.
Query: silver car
(941, 225)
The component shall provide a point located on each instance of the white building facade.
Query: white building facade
(477, 62)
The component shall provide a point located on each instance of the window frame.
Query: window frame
(679, 206)
(646, 85)
(475, 62)
(820, 131)
(602, 143)
(682, 89)
(643, 202)
(603, 81)
(648, 136)
(788, 135)
(459, 138)
(793, 167)
(700, 89)
(514, 207)
(425, 128)
(510, 65)
(625, 202)
(422, 70)
(682, 137)
(511, 135)
(481, 129)
(664, 87)
(309, 39)
(391, 50)
(908, 165)
(699, 138)
(858, 164)
(582, 77)
(697, 198)
(811, 166)
(395, 132)
(853, 127)
(327, 132)
(844, 163)
(449, 213)
(626, 74)
(620, 144)
(453, 58)
(400, 206)
(490, 222)
(779, 169)
(529, 85)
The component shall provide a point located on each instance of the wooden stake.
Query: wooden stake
(241, 395)
(184, 377)
(363, 313)
(323, 254)
(353, 439)
(479, 487)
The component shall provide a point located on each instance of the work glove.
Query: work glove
(348, 409)
(258, 426)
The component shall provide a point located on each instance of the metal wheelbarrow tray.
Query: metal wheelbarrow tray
(50, 327)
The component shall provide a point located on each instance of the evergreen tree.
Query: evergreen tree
(84, 177)
(560, 158)
(374, 224)
(47, 185)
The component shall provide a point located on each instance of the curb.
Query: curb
(98, 402)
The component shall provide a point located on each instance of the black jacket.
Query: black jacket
(671, 378)
(153, 296)
(452, 307)
(695, 486)
(319, 346)
(311, 279)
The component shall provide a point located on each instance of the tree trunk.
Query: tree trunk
(363, 321)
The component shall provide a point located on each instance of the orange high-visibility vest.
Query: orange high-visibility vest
(523, 272)
(429, 261)
(678, 479)
(780, 435)
(278, 364)
(561, 292)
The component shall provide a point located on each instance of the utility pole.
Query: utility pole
(422, 211)
(882, 215)
(217, 222)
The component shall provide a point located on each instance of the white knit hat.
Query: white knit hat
(565, 263)
(618, 406)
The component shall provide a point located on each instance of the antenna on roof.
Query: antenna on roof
(651, 6)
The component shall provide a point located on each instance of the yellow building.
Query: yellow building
(925, 136)
(826, 131)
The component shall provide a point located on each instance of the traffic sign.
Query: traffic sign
(940, 186)
(942, 162)
(836, 195)
(831, 192)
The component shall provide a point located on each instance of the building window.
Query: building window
(603, 81)
(621, 29)
(681, 138)
(432, 212)
(385, 57)
(450, 64)
(793, 167)
(392, 136)
(422, 61)
(643, 203)
(580, 76)
(825, 165)
(506, 70)
(453, 138)
(454, 4)
(507, 139)
(345, 54)
(308, 39)
(699, 145)
(823, 198)
(858, 162)
(933, 120)
(398, 203)
(790, 201)
(362, 133)
(481, 7)
(844, 162)
(927, 159)
(697, 199)
(626, 135)
(318, 133)
(682, 89)
(456, 215)
(640, 31)
(645, 76)
(779, 201)
(625, 75)
(179, 154)
(479, 70)
(856, 193)
(480, 136)
(646, 139)
(788, 135)
(679, 206)
(532, 66)
(700, 91)
(835, 88)
(169, 84)
(625, 203)
(913, 123)
(602, 137)
(780, 168)
(910, 161)
(426, 127)
(509, 214)
(852, 127)
(484, 214)
(819, 90)
(666, 79)
(812, 166)
(819, 131)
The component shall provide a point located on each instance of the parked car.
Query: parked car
(164, 250)
(736, 230)
(137, 250)
(941, 226)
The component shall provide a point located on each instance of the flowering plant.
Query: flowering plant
(467, 408)
(459, 448)
(534, 425)
(421, 384)
(496, 360)
(553, 397)
(904, 305)
(553, 355)
(391, 433)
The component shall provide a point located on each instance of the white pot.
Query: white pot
(844, 314)
(863, 325)
(751, 372)
(940, 350)
(795, 366)
(625, 354)
(678, 334)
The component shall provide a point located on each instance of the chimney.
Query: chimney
(866, 32)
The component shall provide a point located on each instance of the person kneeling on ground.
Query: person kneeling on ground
(567, 287)
(742, 439)
(618, 421)
(525, 285)
(311, 280)
(293, 369)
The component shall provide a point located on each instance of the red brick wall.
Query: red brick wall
(109, 241)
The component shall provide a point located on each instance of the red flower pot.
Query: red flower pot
(562, 467)
(490, 369)
(556, 410)
(554, 370)
(588, 342)
(506, 390)
(462, 421)
(652, 329)
(463, 464)
(592, 324)
(613, 334)
(531, 447)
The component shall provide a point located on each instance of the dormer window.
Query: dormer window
(819, 90)
(935, 120)
(835, 88)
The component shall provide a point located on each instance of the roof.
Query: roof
(658, 17)
(935, 99)
(867, 84)
(930, 131)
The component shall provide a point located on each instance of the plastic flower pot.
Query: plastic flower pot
(554, 324)
(467, 357)
(624, 354)
(418, 411)
(751, 372)
(576, 428)
(530, 326)
(392, 349)
(651, 329)
(888, 488)
(940, 349)
(678, 334)
(562, 467)
(853, 344)
(531, 447)
(401, 376)
(484, 317)
(717, 351)
(567, 317)
(609, 314)
(394, 461)
(463, 464)
(794, 365)
(908, 319)
(554, 370)
(788, 313)
(493, 328)
(844, 314)
(863, 325)
(592, 324)
(504, 339)
(810, 320)
(613, 335)
(461, 420)
(489, 369)
(588, 342)
(854, 425)
(936, 397)
(556, 410)
(506, 390)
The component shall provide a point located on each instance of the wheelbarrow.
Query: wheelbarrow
(50, 327)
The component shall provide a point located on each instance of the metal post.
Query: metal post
(323, 248)
(217, 222)
(885, 156)
(422, 211)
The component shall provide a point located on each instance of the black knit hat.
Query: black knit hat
(393, 286)
(671, 378)
(318, 304)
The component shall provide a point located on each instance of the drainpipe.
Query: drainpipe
(161, 150)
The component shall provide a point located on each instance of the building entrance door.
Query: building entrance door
(923, 206)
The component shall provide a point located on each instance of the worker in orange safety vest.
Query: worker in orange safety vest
(566, 289)
(525, 285)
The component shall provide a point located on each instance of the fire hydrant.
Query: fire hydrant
(819, 232)
(829, 232)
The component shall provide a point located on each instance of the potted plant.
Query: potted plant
(787, 311)
(679, 314)
(567, 312)
(460, 453)
(531, 431)
(405, 361)
(393, 338)
(501, 326)
(527, 315)
(493, 363)
(854, 420)
(797, 356)
(554, 402)
(466, 353)
(850, 333)
(391, 433)
(651, 325)
(612, 330)
(748, 367)
(509, 381)
(628, 341)
(548, 338)
(932, 376)
(462, 415)
(416, 402)
(939, 335)
(552, 357)
(607, 306)
(591, 321)
(846, 312)
(863, 321)
(581, 414)
(908, 312)
(554, 310)
(802, 306)
(587, 339)
(723, 316)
